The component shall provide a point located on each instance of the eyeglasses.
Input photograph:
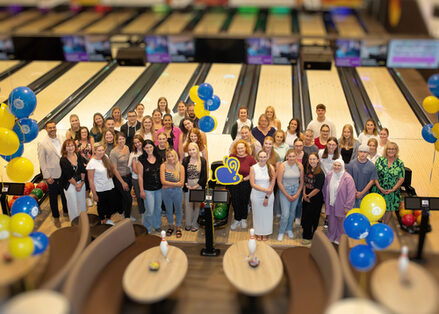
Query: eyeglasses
(391, 148)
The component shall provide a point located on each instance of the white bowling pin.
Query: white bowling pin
(403, 263)
(164, 246)
(252, 242)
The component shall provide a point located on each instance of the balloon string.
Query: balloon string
(432, 165)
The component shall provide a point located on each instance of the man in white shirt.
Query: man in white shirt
(49, 154)
(316, 124)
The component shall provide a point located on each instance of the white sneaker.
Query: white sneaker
(89, 202)
(244, 223)
(234, 225)
(280, 237)
(290, 234)
(297, 222)
(110, 222)
(132, 219)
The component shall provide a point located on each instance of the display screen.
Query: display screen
(259, 51)
(98, 48)
(6, 48)
(420, 54)
(181, 48)
(220, 196)
(157, 49)
(284, 50)
(74, 48)
(197, 195)
(347, 53)
(373, 52)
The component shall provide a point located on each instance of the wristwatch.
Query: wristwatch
(266, 197)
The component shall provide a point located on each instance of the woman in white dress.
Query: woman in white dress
(262, 179)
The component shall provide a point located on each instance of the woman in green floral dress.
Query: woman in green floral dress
(390, 171)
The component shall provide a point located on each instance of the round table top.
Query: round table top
(38, 301)
(145, 286)
(420, 295)
(16, 269)
(355, 305)
(252, 281)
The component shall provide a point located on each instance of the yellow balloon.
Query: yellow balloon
(193, 94)
(7, 119)
(9, 142)
(354, 211)
(20, 169)
(435, 130)
(431, 104)
(4, 226)
(373, 206)
(21, 224)
(200, 111)
(216, 123)
(21, 247)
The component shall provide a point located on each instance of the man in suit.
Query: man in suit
(49, 154)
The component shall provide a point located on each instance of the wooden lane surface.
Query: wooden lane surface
(49, 99)
(252, 281)
(103, 97)
(4, 65)
(348, 26)
(109, 22)
(170, 84)
(145, 286)
(42, 23)
(76, 23)
(210, 23)
(275, 89)
(25, 76)
(325, 88)
(242, 24)
(12, 22)
(174, 24)
(142, 23)
(311, 25)
(279, 24)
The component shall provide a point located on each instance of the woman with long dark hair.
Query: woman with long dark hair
(98, 127)
(136, 151)
(172, 132)
(85, 148)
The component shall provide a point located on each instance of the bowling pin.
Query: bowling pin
(252, 243)
(164, 246)
(403, 263)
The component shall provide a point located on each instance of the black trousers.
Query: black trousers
(240, 197)
(106, 203)
(126, 201)
(55, 189)
(310, 216)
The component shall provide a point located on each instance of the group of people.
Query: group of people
(292, 174)
(160, 158)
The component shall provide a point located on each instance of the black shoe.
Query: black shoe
(325, 225)
(65, 214)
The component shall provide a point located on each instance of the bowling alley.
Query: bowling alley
(219, 156)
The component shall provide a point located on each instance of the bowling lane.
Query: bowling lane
(12, 22)
(109, 22)
(175, 23)
(4, 65)
(211, 23)
(348, 26)
(143, 23)
(25, 76)
(275, 89)
(312, 25)
(325, 88)
(170, 84)
(76, 23)
(279, 24)
(243, 24)
(42, 23)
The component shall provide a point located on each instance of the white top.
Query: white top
(56, 143)
(101, 180)
(380, 149)
(327, 163)
(363, 138)
(133, 158)
(290, 138)
(176, 119)
(374, 158)
(316, 125)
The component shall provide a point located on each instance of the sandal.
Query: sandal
(258, 238)
(169, 232)
(187, 228)
(178, 233)
(194, 229)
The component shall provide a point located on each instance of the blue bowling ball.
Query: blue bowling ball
(433, 84)
(26, 129)
(18, 153)
(22, 102)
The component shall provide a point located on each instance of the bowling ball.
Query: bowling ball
(27, 191)
(418, 219)
(15, 197)
(220, 211)
(408, 220)
(403, 212)
(29, 185)
(34, 197)
(38, 192)
(43, 186)
(417, 213)
(11, 202)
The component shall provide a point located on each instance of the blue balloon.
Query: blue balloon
(433, 84)
(26, 129)
(205, 91)
(25, 204)
(40, 240)
(206, 124)
(22, 102)
(380, 236)
(213, 103)
(356, 226)
(362, 257)
(427, 133)
(18, 153)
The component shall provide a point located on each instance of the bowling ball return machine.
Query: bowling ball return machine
(209, 198)
(9, 188)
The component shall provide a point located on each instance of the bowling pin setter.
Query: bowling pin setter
(403, 263)
(251, 243)
(164, 246)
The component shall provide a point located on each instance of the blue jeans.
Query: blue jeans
(288, 209)
(358, 201)
(152, 203)
(173, 198)
(299, 207)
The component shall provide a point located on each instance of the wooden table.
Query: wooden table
(38, 302)
(252, 281)
(419, 296)
(145, 286)
(355, 305)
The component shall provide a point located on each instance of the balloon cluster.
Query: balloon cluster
(361, 223)
(16, 129)
(18, 229)
(430, 132)
(205, 102)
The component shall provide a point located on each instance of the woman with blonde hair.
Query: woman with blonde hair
(273, 157)
(75, 125)
(280, 147)
(157, 122)
(373, 152)
(98, 127)
(172, 178)
(347, 144)
(370, 131)
(140, 108)
(117, 117)
(162, 106)
(195, 136)
(108, 141)
(247, 136)
(384, 139)
(271, 116)
(146, 130)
